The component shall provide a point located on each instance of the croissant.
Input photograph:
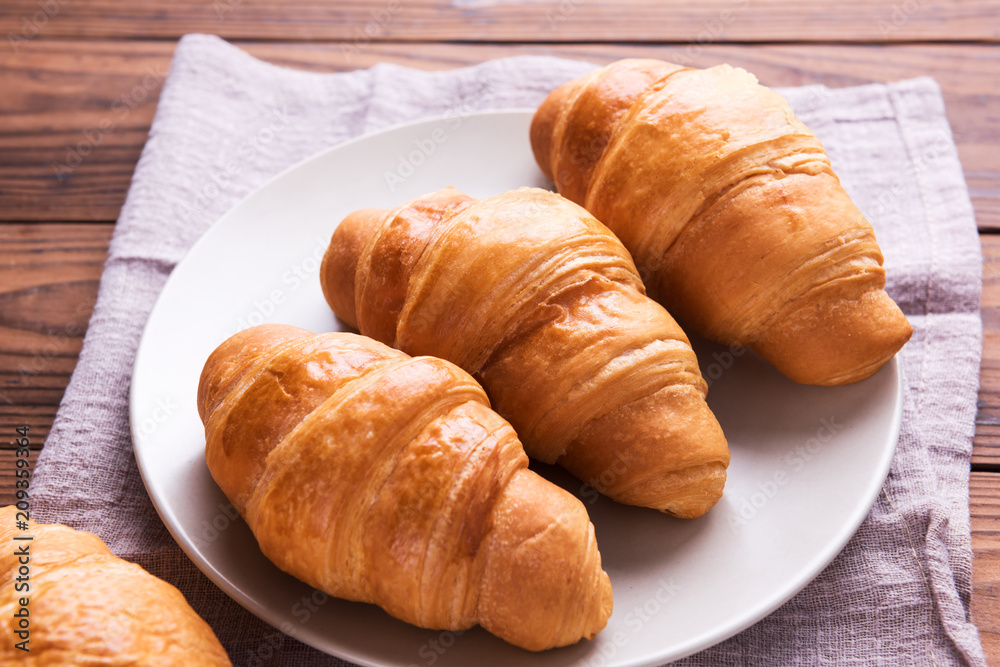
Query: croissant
(65, 599)
(729, 204)
(543, 305)
(382, 478)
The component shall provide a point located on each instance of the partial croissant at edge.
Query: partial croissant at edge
(382, 478)
(544, 306)
(86, 606)
(730, 205)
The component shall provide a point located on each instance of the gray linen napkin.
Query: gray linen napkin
(898, 593)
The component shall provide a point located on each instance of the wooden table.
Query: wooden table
(79, 81)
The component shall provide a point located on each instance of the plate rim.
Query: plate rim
(820, 561)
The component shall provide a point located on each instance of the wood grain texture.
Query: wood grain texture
(77, 113)
(986, 449)
(506, 20)
(984, 511)
(75, 118)
(48, 285)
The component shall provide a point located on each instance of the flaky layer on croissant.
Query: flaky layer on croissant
(69, 601)
(543, 305)
(382, 478)
(729, 205)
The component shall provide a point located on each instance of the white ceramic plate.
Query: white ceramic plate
(807, 462)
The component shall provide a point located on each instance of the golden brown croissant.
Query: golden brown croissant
(67, 600)
(382, 478)
(730, 205)
(543, 305)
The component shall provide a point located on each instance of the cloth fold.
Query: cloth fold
(226, 123)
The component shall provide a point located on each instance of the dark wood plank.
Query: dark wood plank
(48, 286)
(986, 450)
(75, 118)
(76, 114)
(507, 20)
(984, 511)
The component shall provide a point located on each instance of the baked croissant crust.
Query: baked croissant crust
(729, 205)
(543, 305)
(86, 606)
(382, 478)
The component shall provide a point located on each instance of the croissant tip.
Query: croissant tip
(543, 125)
(687, 493)
(836, 341)
(338, 271)
(222, 368)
